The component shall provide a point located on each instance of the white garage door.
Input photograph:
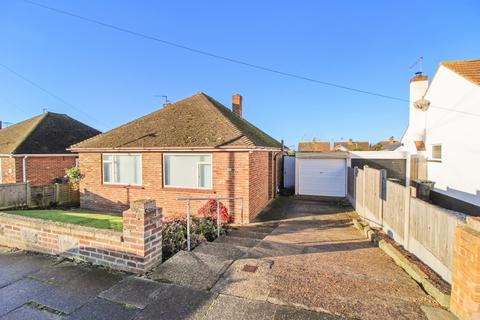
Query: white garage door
(321, 177)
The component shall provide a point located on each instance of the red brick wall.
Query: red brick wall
(231, 173)
(8, 170)
(260, 179)
(43, 170)
(465, 298)
(137, 249)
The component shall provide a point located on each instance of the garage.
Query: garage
(321, 174)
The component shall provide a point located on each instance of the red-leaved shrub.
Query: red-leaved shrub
(209, 209)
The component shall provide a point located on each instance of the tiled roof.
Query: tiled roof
(314, 146)
(352, 145)
(469, 69)
(195, 122)
(48, 133)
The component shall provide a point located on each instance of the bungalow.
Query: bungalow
(34, 150)
(442, 135)
(193, 148)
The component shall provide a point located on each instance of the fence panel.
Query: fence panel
(67, 194)
(372, 195)
(394, 211)
(42, 196)
(432, 231)
(13, 195)
(359, 192)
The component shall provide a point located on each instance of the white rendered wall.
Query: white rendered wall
(458, 173)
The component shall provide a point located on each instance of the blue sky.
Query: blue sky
(108, 78)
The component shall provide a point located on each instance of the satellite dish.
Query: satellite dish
(422, 104)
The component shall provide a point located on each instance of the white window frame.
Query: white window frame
(196, 178)
(113, 170)
(441, 151)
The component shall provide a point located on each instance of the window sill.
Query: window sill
(192, 190)
(123, 186)
(434, 160)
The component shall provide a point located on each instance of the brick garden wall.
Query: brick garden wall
(465, 298)
(137, 249)
(235, 174)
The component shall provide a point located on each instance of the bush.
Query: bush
(209, 210)
(174, 234)
(74, 175)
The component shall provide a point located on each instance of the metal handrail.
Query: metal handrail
(218, 213)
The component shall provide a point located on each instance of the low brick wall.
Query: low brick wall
(465, 301)
(137, 249)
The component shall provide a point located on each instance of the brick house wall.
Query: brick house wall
(40, 170)
(8, 170)
(43, 170)
(240, 174)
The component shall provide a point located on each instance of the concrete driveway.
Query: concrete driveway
(310, 263)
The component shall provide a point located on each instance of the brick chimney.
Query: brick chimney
(237, 104)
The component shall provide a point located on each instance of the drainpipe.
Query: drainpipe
(24, 168)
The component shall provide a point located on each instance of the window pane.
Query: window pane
(205, 175)
(107, 172)
(107, 158)
(190, 171)
(127, 169)
(437, 152)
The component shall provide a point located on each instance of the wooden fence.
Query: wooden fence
(22, 195)
(424, 229)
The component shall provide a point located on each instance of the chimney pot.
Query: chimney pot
(237, 104)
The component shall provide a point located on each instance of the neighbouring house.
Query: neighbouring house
(442, 135)
(314, 146)
(387, 145)
(194, 148)
(34, 150)
(351, 145)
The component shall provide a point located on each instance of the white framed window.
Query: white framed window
(436, 152)
(187, 171)
(123, 169)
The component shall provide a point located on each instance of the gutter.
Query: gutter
(209, 149)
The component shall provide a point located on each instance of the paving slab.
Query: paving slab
(59, 274)
(191, 269)
(15, 266)
(135, 291)
(252, 284)
(79, 290)
(101, 309)
(234, 308)
(257, 227)
(242, 242)
(19, 293)
(287, 313)
(27, 312)
(179, 303)
(222, 251)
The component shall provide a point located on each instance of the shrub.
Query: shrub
(210, 210)
(174, 234)
(74, 175)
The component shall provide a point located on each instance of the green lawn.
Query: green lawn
(75, 216)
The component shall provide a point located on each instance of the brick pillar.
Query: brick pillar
(465, 298)
(142, 234)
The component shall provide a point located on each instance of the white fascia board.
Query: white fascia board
(377, 154)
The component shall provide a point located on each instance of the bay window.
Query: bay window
(125, 169)
(188, 171)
